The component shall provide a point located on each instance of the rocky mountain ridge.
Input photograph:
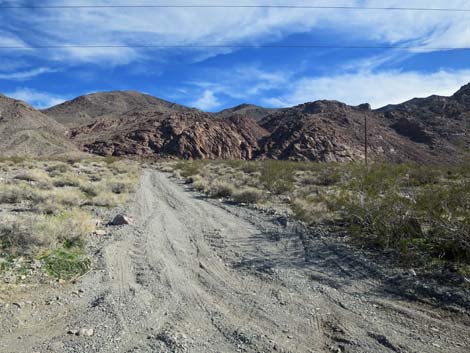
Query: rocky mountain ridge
(129, 123)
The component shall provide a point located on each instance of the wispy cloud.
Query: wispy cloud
(25, 75)
(191, 26)
(37, 99)
(243, 82)
(378, 89)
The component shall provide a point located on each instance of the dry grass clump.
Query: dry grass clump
(13, 193)
(89, 189)
(221, 189)
(200, 184)
(105, 199)
(310, 210)
(68, 179)
(29, 234)
(58, 169)
(54, 198)
(248, 195)
(33, 175)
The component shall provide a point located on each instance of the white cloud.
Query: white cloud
(190, 26)
(9, 40)
(244, 82)
(378, 89)
(208, 101)
(37, 99)
(25, 75)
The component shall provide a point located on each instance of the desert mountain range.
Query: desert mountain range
(129, 123)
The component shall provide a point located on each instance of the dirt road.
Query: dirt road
(193, 275)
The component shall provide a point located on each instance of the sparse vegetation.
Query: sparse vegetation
(54, 199)
(248, 195)
(421, 212)
(221, 189)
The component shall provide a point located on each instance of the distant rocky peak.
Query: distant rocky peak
(463, 94)
(322, 106)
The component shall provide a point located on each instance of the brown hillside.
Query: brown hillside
(24, 131)
(86, 109)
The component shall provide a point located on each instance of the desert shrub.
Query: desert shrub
(188, 168)
(445, 210)
(310, 209)
(165, 168)
(278, 176)
(17, 239)
(67, 228)
(250, 167)
(89, 189)
(221, 189)
(105, 199)
(33, 175)
(119, 187)
(419, 175)
(48, 207)
(67, 180)
(13, 160)
(199, 183)
(57, 169)
(17, 193)
(12, 194)
(67, 197)
(328, 176)
(382, 220)
(387, 208)
(248, 195)
(121, 167)
(95, 177)
(26, 235)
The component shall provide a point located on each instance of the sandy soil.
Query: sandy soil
(193, 275)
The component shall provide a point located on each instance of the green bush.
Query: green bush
(189, 168)
(278, 176)
(66, 263)
(432, 218)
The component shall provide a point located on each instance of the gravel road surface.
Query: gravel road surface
(197, 275)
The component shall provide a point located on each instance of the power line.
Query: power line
(303, 7)
(234, 46)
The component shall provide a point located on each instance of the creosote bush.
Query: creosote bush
(248, 195)
(221, 189)
(33, 175)
(419, 211)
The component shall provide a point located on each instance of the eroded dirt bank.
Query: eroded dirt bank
(198, 276)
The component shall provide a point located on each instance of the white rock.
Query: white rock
(86, 332)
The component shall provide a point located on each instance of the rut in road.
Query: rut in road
(193, 275)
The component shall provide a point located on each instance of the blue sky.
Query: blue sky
(213, 79)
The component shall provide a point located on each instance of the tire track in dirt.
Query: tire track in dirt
(194, 275)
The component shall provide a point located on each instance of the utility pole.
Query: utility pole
(365, 141)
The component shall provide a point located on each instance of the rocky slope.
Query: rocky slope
(330, 131)
(24, 131)
(442, 123)
(189, 134)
